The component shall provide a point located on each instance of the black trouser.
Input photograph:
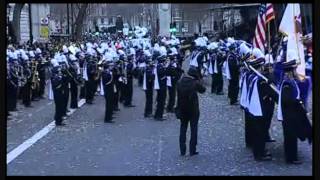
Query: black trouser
(258, 140)
(268, 118)
(12, 93)
(140, 78)
(83, 91)
(194, 135)
(116, 98)
(42, 83)
(65, 89)
(217, 83)
(128, 89)
(248, 128)
(161, 99)
(172, 96)
(122, 92)
(35, 93)
(59, 103)
(90, 86)
(108, 95)
(233, 90)
(74, 95)
(149, 99)
(290, 141)
(26, 94)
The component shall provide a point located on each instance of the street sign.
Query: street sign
(44, 32)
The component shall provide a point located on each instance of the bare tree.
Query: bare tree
(79, 21)
(16, 22)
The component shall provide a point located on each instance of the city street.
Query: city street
(135, 145)
(67, 49)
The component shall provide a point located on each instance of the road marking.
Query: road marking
(159, 155)
(24, 146)
(30, 114)
(29, 142)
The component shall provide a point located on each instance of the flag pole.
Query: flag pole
(269, 53)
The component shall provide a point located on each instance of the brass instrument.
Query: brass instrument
(99, 70)
(18, 73)
(79, 81)
(35, 75)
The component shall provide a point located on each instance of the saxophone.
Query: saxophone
(99, 70)
(35, 75)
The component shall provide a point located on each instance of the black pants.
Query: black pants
(74, 95)
(183, 133)
(12, 93)
(161, 99)
(35, 93)
(42, 83)
(83, 91)
(140, 78)
(65, 94)
(59, 103)
(268, 118)
(290, 141)
(172, 96)
(149, 99)
(26, 94)
(233, 90)
(128, 89)
(116, 98)
(258, 130)
(217, 83)
(108, 95)
(248, 128)
(90, 86)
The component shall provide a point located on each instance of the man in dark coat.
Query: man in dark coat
(188, 108)
(295, 122)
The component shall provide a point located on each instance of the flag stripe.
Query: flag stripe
(266, 14)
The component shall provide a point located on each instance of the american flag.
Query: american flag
(265, 15)
(269, 13)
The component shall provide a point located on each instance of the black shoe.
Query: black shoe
(147, 115)
(35, 99)
(267, 153)
(130, 105)
(116, 109)
(182, 153)
(89, 102)
(109, 121)
(220, 93)
(194, 153)
(234, 103)
(170, 110)
(28, 106)
(263, 158)
(296, 162)
(15, 109)
(270, 140)
(60, 124)
(160, 119)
